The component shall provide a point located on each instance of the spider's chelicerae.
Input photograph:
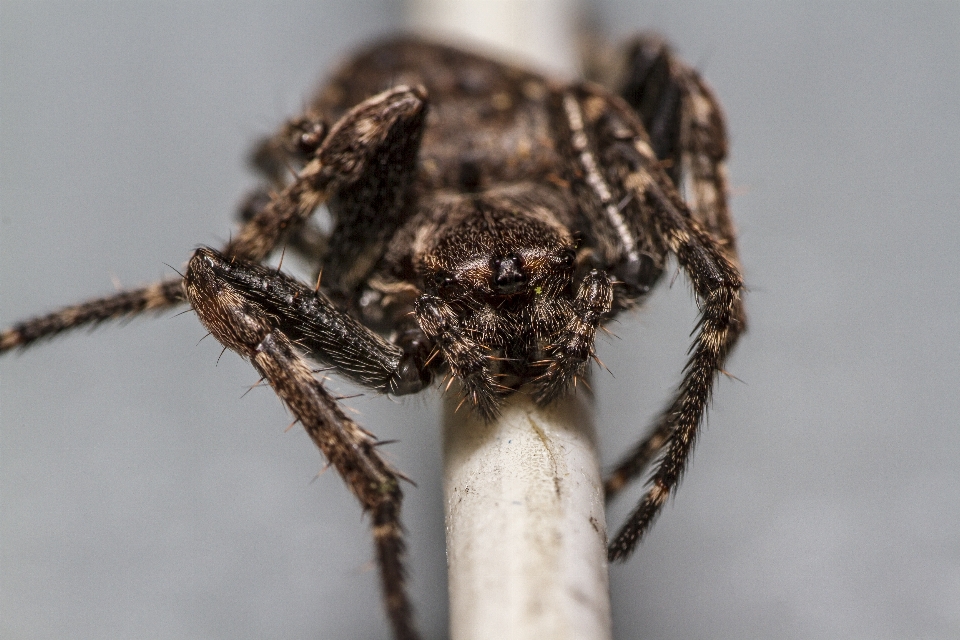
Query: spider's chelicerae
(486, 222)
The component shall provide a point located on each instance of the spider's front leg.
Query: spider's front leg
(310, 320)
(259, 313)
(155, 297)
(717, 284)
(620, 166)
(687, 132)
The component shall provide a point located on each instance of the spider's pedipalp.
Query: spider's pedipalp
(462, 353)
(574, 346)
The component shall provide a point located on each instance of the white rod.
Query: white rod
(526, 539)
(539, 32)
(526, 534)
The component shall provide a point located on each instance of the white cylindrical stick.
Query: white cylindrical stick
(526, 539)
(541, 32)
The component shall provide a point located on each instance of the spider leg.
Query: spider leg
(368, 157)
(289, 147)
(652, 83)
(242, 325)
(687, 131)
(617, 160)
(276, 158)
(717, 284)
(155, 297)
(305, 240)
(308, 318)
(688, 134)
(635, 462)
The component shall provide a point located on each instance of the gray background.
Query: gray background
(141, 497)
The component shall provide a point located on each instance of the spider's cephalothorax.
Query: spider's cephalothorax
(486, 222)
(499, 299)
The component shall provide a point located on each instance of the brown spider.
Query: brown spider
(486, 222)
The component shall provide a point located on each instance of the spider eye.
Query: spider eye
(508, 273)
(567, 257)
(443, 279)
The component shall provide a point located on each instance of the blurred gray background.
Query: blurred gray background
(140, 496)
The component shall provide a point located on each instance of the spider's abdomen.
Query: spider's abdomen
(488, 123)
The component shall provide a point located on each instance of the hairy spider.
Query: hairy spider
(487, 221)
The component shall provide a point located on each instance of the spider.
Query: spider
(487, 221)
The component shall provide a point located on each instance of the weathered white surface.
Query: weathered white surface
(526, 539)
(539, 32)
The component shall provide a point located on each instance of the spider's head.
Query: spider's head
(497, 274)
(500, 249)
(500, 259)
